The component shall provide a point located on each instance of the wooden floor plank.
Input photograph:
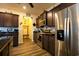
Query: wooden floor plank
(29, 48)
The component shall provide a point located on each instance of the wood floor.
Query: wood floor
(29, 48)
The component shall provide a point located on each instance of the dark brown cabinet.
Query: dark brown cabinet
(15, 39)
(5, 52)
(48, 43)
(35, 36)
(1, 19)
(45, 42)
(50, 19)
(8, 20)
(5, 46)
(51, 45)
(15, 20)
(41, 20)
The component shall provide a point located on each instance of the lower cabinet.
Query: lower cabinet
(35, 36)
(15, 39)
(45, 42)
(48, 43)
(6, 50)
(51, 45)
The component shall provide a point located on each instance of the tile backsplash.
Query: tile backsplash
(7, 29)
(52, 29)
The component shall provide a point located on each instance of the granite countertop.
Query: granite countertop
(4, 40)
(47, 33)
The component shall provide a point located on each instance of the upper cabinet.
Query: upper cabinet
(50, 19)
(15, 21)
(8, 20)
(1, 19)
(41, 20)
(46, 19)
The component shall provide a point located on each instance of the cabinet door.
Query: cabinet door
(1, 19)
(35, 37)
(7, 20)
(15, 39)
(51, 45)
(49, 19)
(45, 42)
(15, 21)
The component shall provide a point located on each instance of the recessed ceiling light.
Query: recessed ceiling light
(24, 7)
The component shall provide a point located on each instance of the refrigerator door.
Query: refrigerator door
(71, 32)
(65, 35)
(71, 29)
(60, 17)
(68, 33)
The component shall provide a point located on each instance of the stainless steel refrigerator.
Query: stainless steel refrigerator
(68, 20)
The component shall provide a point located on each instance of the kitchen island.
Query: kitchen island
(5, 43)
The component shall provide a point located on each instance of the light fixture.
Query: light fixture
(24, 7)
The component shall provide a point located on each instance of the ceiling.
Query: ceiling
(37, 10)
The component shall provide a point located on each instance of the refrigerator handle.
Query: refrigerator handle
(68, 37)
(65, 35)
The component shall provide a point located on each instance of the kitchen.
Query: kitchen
(44, 32)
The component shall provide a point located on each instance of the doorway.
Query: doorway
(27, 28)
